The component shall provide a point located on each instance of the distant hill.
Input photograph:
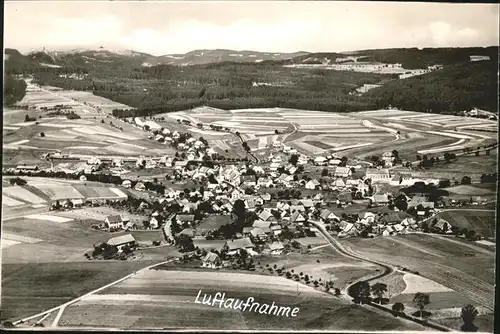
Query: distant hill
(102, 57)
(199, 57)
(412, 58)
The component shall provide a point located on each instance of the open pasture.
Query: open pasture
(157, 299)
(483, 222)
(82, 136)
(463, 269)
(332, 266)
(98, 214)
(31, 288)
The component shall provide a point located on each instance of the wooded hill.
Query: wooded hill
(460, 85)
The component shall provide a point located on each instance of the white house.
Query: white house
(320, 161)
(211, 260)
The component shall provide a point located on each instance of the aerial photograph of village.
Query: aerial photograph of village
(290, 166)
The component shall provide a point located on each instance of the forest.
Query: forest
(459, 86)
(13, 90)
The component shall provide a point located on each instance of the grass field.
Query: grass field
(331, 266)
(87, 135)
(35, 287)
(46, 191)
(465, 269)
(483, 222)
(159, 299)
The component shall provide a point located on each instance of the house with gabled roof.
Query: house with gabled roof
(140, 186)
(327, 215)
(338, 183)
(114, 222)
(265, 215)
(211, 260)
(344, 198)
(282, 206)
(380, 199)
(299, 208)
(420, 200)
(342, 172)
(307, 203)
(276, 248)
(122, 241)
(378, 175)
(248, 180)
(297, 217)
(261, 223)
(233, 246)
(312, 184)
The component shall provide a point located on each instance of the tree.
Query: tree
(185, 242)
(466, 180)
(239, 210)
(294, 158)
(444, 183)
(276, 132)
(398, 308)
(337, 292)
(469, 314)
(361, 292)
(420, 301)
(378, 289)
(42, 134)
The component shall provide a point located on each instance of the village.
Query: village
(263, 207)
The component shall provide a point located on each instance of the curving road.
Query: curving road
(387, 269)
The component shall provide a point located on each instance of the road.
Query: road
(60, 309)
(387, 269)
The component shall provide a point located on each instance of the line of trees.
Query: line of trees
(362, 294)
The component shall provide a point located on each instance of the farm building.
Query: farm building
(380, 199)
(312, 184)
(327, 215)
(248, 180)
(115, 222)
(122, 241)
(297, 217)
(259, 233)
(211, 260)
(320, 161)
(83, 178)
(140, 186)
(127, 184)
(26, 168)
(342, 172)
(276, 248)
(233, 246)
(378, 175)
(77, 203)
(265, 215)
(94, 161)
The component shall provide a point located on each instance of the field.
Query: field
(332, 266)
(84, 136)
(159, 299)
(320, 133)
(483, 222)
(464, 268)
(41, 192)
(31, 288)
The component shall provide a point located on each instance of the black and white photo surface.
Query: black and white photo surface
(250, 166)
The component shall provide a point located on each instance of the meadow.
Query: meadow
(467, 269)
(158, 299)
